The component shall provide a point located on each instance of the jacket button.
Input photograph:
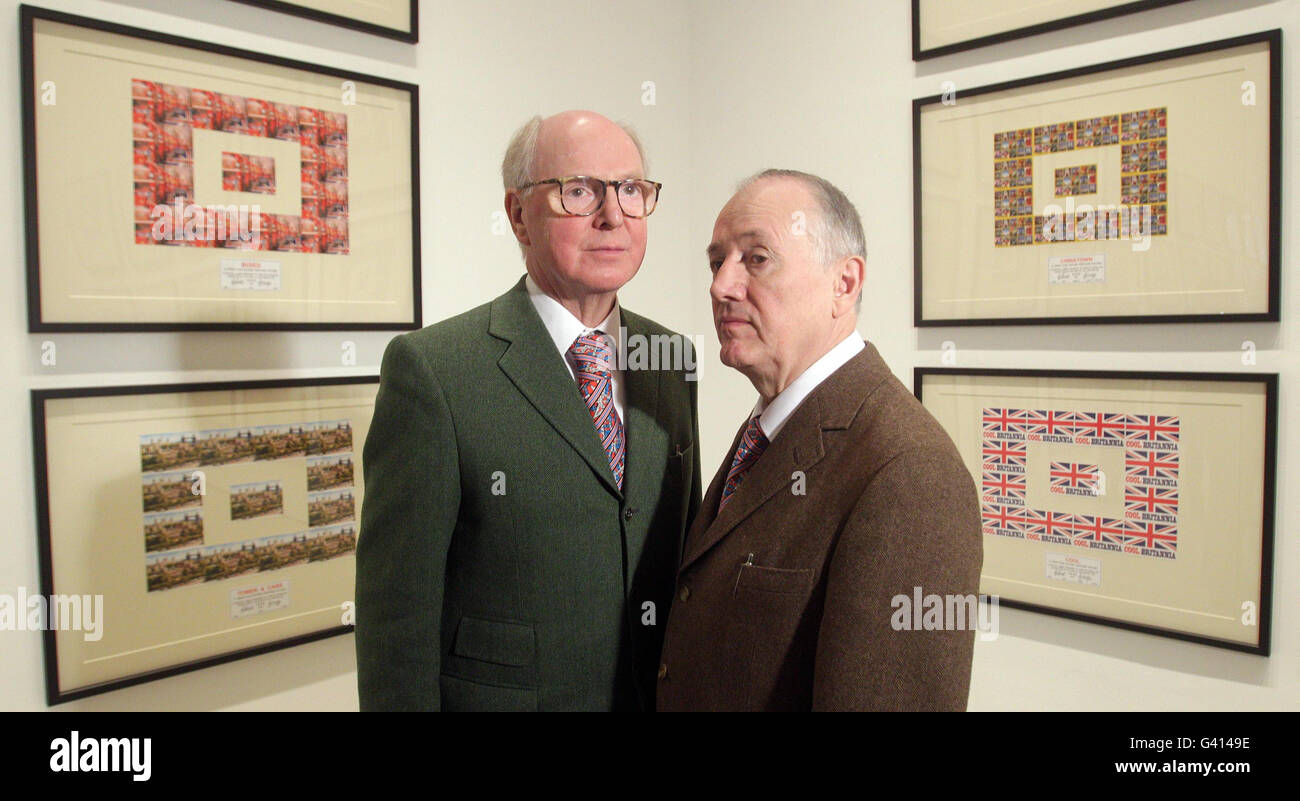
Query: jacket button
(684, 593)
(663, 671)
(627, 513)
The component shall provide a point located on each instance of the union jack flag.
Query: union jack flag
(999, 516)
(1071, 474)
(1088, 528)
(1157, 536)
(1050, 524)
(1102, 425)
(1014, 420)
(1153, 428)
(1003, 451)
(1050, 422)
(995, 457)
(1151, 464)
(1153, 500)
(1010, 486)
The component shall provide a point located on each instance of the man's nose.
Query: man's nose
(610, 214)
(729, 281)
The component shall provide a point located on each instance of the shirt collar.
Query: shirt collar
(773, 416)
(564, 327)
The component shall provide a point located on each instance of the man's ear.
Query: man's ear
(515, 213)
(850, 274)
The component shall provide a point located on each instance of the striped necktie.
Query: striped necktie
(592, 359)
(752, 444)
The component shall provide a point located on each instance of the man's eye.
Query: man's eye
(577, 191)
(756, 258)
(630, 190)
(715, 265)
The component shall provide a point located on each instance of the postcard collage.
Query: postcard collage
(1143, 139)
(179, 467)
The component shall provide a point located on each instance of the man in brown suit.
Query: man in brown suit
(840, 497)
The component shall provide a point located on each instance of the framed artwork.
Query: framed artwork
(396, 19)
(940, 27)
(1132, 499)
(1098, 195)
(183, 526)
(176, 185)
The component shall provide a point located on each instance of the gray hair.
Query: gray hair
(517, 165)
(837, 230)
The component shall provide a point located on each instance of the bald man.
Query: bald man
(527, 490)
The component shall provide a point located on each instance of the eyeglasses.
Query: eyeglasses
(582, 196)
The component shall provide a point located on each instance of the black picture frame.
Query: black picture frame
(1270, 383)
(1029, 30)
(28, 15)
(410, 37)
(1273, 38)
(55, 691)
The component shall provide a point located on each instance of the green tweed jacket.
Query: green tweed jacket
(499, 566)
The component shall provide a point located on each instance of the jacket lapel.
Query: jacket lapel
(709, 506)
(538, 371)
(798, 447)
(831, 406)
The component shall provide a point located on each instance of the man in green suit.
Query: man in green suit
(526, 489)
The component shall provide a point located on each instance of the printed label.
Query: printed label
(250, 274)
(259, 598)
(1074, 569)
(1076, 269)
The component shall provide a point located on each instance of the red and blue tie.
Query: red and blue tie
(752, 444)
(592, 362)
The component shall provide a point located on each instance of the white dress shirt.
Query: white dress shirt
(772, 417)
(564, 328)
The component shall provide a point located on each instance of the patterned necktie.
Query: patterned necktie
(751, 446)
(592, 357)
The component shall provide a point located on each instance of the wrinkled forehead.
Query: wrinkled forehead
(601, 151)
(767, 212)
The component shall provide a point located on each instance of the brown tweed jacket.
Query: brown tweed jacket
(783, 601)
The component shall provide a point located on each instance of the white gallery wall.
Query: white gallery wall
(717, 89)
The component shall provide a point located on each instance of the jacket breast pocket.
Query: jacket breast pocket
(772, 596)
(773, 580)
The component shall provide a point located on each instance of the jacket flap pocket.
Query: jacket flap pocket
(497, 641)
(775, 579)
